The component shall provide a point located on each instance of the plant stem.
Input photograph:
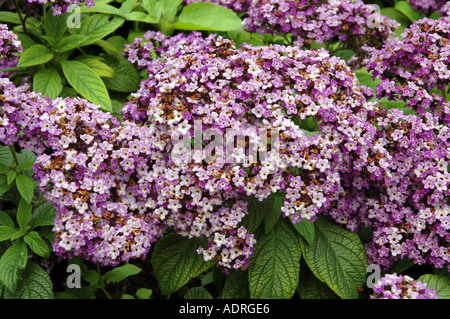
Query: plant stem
(38, 203)
(14, 154)
(102, 286)
(22, 19)
(444, 94)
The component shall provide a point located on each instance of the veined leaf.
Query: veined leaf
(87, 83)
(176, 261)
(274, 267)
(99, 67)
(37, 244)
(25, 186)
(34, 284)
(98, 26)
(13, 260)
(23, 214)
(337, 258)
(35, 55)
(440, 283)
(48, 82)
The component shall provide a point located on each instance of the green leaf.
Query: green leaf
(98, 26)
(337, 258)
(144, 293)
(6, 232)
(306, 229)
(37, 244)
(48, 82)
(4, 185)
(34, 284)
(272, 205)
(44, 215)
(99, 67)
(11, 176)
(255, 216)
(126, 78)
(236, 286)
(55, 26)
(102, 8)
(310, 287)
(71, 42)
(6, 220)
(25, 186)
(120, 273)
(274, 267)
(439, 283)
(87, 83)
(35, 55)
(407, 9)
(26, 156)
(207, 16)
(13, 260)
(198, 293)
(6, 157)
(23, 214)
(176, 261)
(141, 17)
(25, 165)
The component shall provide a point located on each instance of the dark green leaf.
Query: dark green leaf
(275, 264)
(25, 186)
(6, 232)
(126, 78)
(6, 220)
(176, 261)
(37, 244)
(198, 293)
(12, 262)
(337, 258)
(306, 229)
(34, 284)
(23, 214)
(71, 42)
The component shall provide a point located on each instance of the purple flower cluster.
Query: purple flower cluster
(61, 6)
(411, 68)
(209, 83)
(351, 22)
(393, 286)
(10, 45)
(407, 205)
(427, 6)
(445, 10)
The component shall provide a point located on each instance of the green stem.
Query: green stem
(102, 285)
(22, 20)
(444, 94)
(14, 154)
(39, 203)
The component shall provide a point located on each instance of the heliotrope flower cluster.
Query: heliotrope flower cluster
(407, 205)
(209, 83)
(394, 286)
(61, 6)
(445, 10)
(351, 22)
(427, 6)
(10, 45)
(413, 68)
